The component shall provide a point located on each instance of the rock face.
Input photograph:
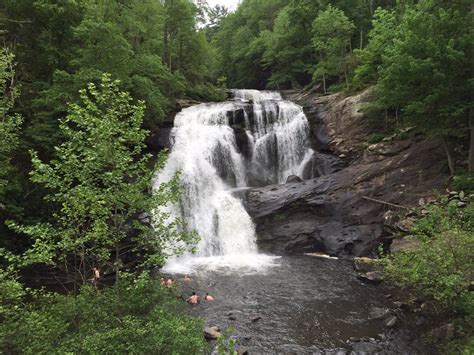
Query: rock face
(328, 214)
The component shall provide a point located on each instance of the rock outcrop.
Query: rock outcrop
(330, 213)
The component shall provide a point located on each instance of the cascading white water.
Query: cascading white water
(213, 163)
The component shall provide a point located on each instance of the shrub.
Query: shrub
(134, 317)
(464, 183)
(441, 269)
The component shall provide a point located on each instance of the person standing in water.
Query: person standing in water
(208, 298)
(193, 299)
(186, 279)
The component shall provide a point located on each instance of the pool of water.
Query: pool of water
(302, 304)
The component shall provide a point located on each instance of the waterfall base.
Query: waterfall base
(249, 263)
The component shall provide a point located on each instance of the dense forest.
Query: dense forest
(82, 85)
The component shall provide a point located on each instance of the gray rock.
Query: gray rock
(256, 319)
(374, 277)
(390, 322)
(405, 244)
(364, 264)
(211, 333)
(293, 178)
(405, 225)
(379, 313)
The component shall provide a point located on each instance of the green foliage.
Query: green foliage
(464, 183)
(375, 138)
(9, 129)
(441, 268)
(99, 182)
(332, 32)
(134, 317)
(241, 44)
(226, 345)
(425, 66)
(370, 58)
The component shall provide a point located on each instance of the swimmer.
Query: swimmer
(208, 298)
(193, 299)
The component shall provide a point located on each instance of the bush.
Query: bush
(135, 317)
(375, 138)
(440, 270)
(464, 183)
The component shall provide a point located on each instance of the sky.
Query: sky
(230, 4)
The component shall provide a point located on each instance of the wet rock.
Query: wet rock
(243, 352)
(232, 318)
(379, 313)
(364, 264)
(212, 333)
(293, 178)
(256, 319)
(390, 322)
(373, 277)
(445, 331)
(242, 141)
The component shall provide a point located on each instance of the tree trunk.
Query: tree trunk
(324, 82)
(471, 145)
(345, 76)
(449, 156)
(361, 38)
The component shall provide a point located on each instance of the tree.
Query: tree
(289, 51)
(9, 125)
(10, 129)
(424, 71)
(99, 182)
(332, 32)
(384, 29)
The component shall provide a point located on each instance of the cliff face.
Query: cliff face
(336, 213)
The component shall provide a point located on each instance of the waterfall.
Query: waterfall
(256, 138)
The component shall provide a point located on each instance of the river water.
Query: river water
(307, 304)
